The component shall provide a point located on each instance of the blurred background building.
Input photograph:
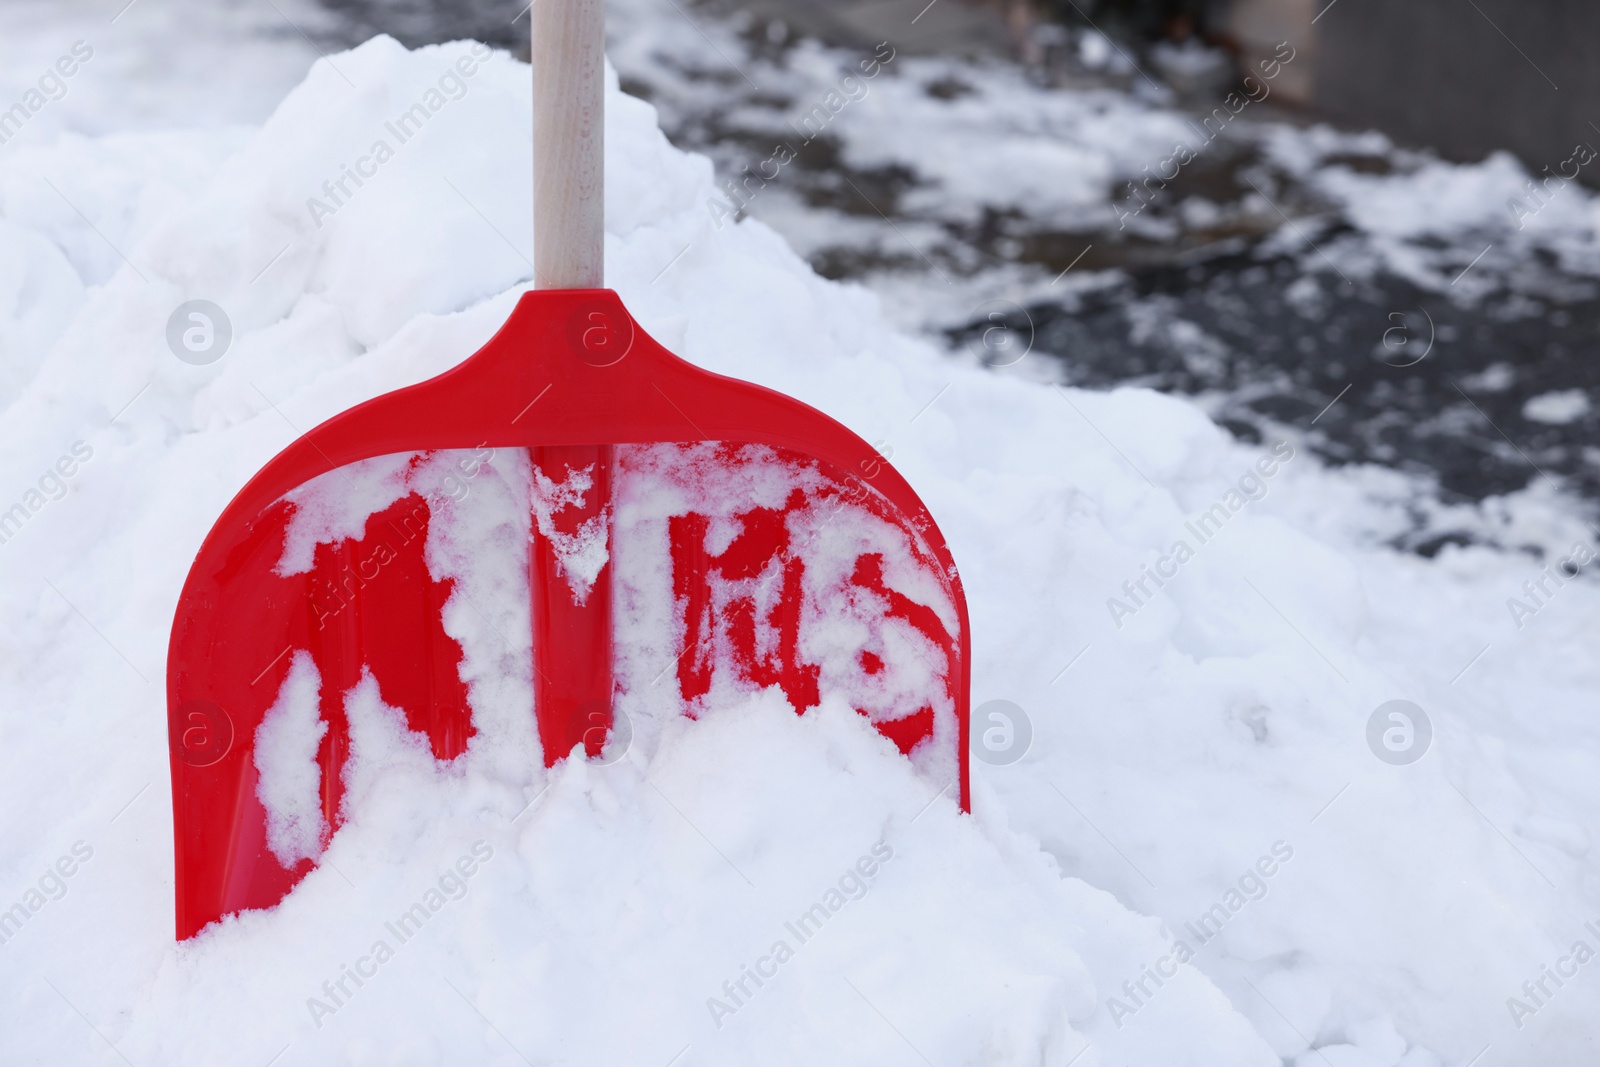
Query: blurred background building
(1464, 77)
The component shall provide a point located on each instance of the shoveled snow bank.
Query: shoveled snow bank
(1199, 748)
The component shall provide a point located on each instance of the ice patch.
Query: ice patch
(290, 786)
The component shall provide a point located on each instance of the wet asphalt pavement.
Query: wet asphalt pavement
(1370, 370)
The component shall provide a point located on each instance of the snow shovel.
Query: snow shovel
(800, 559)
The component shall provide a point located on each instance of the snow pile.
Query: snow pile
(750, 886)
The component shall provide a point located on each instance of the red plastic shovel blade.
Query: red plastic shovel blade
(799, 559)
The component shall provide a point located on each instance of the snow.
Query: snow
(1427, 219)
(1557, 408)
(162, 64)
(582, 554)
(290, 783)
(593, 914)
(839, 620)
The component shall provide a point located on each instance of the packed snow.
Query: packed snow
(290, 786)
(584, 553)
(1200, 859)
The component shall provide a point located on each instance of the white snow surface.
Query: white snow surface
(582, 554)
(290, 786)
(1218, 732)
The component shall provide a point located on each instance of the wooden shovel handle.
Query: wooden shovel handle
(568, 143)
